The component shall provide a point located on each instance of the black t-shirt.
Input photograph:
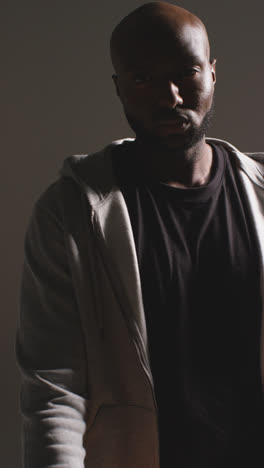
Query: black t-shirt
(200, 284)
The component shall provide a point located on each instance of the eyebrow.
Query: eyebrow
(192, 59)
(147, 68)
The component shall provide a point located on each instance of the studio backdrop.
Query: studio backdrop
(58, 98)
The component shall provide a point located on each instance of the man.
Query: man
(140, 332)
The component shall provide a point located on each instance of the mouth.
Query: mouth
(177, 125)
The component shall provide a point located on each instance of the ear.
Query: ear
(213, 71)
(115, 80)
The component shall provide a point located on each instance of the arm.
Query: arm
(50, 349)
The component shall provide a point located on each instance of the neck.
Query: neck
(184, 169)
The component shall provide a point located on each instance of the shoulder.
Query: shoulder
(88, 174)
(250, 164)
(94, 169)
(49, 203)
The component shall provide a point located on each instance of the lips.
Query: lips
(176, 125)
(176, 118)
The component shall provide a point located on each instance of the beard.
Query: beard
(172, 143)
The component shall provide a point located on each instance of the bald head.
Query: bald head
(150, 26)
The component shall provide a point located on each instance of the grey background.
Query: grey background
(58, 99)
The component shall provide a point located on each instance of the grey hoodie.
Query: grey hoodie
(87, 395)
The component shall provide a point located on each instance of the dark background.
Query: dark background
(58, 99)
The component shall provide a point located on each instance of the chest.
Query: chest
(199, 273)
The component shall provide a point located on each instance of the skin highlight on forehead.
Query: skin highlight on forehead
(149, 27)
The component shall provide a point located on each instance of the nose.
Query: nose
(170, 95)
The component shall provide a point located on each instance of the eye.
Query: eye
(190, 72)
(142, 79)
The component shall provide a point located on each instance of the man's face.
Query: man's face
(167, 89)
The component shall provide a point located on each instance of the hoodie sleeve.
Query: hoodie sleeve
(50, 349)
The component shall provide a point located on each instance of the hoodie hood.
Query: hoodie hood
(94, 172)
(252, 164)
